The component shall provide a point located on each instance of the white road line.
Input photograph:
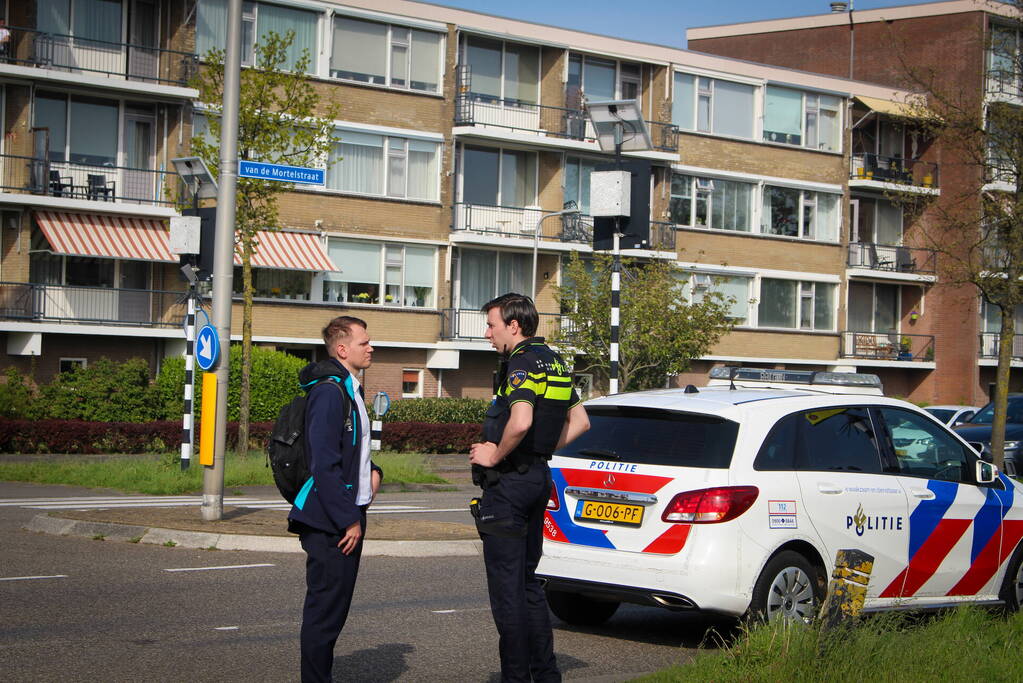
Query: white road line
(225, 628)
(31, 578)
(421, 511)
(203, 569)
(444, 611)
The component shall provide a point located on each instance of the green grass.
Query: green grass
(964, 644)
(157, 475)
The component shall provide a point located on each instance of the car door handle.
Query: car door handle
(926, 494)
(830, 489)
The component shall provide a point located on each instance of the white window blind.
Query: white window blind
(357, 261)
(360, 50)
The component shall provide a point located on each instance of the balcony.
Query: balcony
(91, 305)
(1004, 84)
(887, 346)
(990, 342)
(28, 47)
(467, 324)
(510, 221)
(873, 169)
(71, 180)
(892, 259)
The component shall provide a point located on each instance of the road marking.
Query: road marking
(115, 502)
(203, 569)
(444, 611)
(226, 628)
(31, 578)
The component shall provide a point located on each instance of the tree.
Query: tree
(661, 332)
(280, 121)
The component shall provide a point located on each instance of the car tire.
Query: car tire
(788, 588)
(1012, 585)
(573, 608)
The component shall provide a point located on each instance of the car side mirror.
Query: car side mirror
(986, 472)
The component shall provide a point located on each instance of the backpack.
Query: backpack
(285, 449)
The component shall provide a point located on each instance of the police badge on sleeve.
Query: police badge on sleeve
(516, 379)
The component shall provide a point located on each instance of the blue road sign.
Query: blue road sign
(285, 174)
(207, 347)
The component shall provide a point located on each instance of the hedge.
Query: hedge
(79, 437)
(420, 437)
(438, 410)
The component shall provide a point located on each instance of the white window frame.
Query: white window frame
(873, 308)
(419, 384)
(758, 283)
(390, 43)
(703, 88)
(504, 51)
(620, 78)
(500, 177)
(810, 105)
(388, 153)
(802, 229)
(320, 281)
(702, 281)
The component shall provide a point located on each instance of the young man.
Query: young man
(329, 514)
(535, 412)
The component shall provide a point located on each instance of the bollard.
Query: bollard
(374, 435)
(848, 587)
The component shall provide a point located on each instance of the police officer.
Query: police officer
(535, 412)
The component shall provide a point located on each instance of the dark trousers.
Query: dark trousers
(511, 526)
(330, 581)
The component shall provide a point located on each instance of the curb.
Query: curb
(277, 544)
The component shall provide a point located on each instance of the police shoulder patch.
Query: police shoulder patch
(516, 378)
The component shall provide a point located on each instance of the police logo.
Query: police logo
(516, 379)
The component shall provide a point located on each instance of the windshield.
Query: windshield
(943, 414)
(655, 437)
(986, 415)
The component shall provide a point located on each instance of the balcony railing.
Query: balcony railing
(75, 180)
(459, 323)
(894, 259)
(108, 306)
(28, 47)
(662, 236)
(895, 170)
(888, 346)
(991, 341)
(1004, 82)
(510, 221)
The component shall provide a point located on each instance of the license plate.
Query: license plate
(609, 513)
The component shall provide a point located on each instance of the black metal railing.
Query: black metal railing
(29, 47)
(1004, 82)
(460, 323)
(895, 170)
(890, 258)
(106, 305)
(662, 236)
(990, 342)
(512, 221)
(888, 346)
(77, 180)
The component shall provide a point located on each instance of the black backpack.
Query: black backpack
(285, 450)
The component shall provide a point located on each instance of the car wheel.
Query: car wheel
(788, 589)
(1012, 585)
(578, 609)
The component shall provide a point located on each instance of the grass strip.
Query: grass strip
(162, 475)
(968, 643)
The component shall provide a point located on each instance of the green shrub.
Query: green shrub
(104, 391)
(438, 410)
(17, 399)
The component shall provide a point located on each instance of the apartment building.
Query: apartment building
(979, 56)
(459, 134)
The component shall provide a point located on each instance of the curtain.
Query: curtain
(777, 303)
(361, 167)
(396, 167)
(889, 223)
(54, 16)
(513, 273)
(425, 60)
(357, 261)
(422, 170)
(210, 26)
(823, 306)
(733, 109)
(861, 307)
(420, 273)
(682, 106)
(280, 20)
(828, 217)
(731, 205)
(783, 114)
(476, 278)
(830, 118)
(518, 179)
(737, 288)
(360, 50)
(484, 60)
(521, 72)
(98, 20)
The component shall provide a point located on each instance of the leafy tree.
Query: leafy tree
(280, 121)
(660, 332)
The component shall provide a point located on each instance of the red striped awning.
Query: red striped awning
(289, 251)
(125, 237)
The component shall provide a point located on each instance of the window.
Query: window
(1003, 61)
(483, 275)
(800, 213)
(411, 170)
(383, 54)
(717, 204)
(991, 318)
(83, 130)
(98, 20)
(735, 287)
(601, 79)
(273, 283)
(924, 449)
(577, 181)
(376, 273)
(796, 304)
(500, 71)
(496, 177)
(72, 364)
(873, 307)
(710, 105)
(810, 120)
(779, 448)
(411, 383)
(258, 20)
(837, 439)
(877, 221)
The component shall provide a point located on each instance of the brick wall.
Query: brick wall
(92, 348)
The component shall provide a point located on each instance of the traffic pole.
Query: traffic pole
(188, 418)
(616, 288)
(223, 268)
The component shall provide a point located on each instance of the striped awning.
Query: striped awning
(124, 237)
(289, 251)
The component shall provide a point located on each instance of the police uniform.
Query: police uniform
(509, 516)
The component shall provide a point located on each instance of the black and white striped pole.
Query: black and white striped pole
(616, 288)
(188, 419)
(381, 404)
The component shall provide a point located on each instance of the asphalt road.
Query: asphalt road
(114, 611)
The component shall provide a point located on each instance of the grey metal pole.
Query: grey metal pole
(223, 268)
(536, 243)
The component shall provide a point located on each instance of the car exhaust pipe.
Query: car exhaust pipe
(672, 601)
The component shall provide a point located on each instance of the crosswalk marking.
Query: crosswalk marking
(31, 578)
(229, 566)
(140, 501)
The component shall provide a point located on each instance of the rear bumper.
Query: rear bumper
(611, 592)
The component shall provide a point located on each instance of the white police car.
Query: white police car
(734, 498)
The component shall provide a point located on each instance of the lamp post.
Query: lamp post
(536, 242)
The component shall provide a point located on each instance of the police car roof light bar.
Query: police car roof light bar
(848, 379)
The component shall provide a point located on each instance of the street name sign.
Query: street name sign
(285, 174)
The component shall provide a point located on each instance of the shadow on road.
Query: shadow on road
(378, 664)
(661, 627)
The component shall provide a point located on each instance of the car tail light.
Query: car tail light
(553, 503)
(708, 506)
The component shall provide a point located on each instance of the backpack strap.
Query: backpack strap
(347, 409)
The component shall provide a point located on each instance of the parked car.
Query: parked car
(952, 415)
(978, 430)
(733, 499)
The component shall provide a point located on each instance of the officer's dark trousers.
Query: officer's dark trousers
(330, 581)
(511, 527)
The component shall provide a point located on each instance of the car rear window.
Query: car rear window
(986, 415)
(942, 414)
(655, 437)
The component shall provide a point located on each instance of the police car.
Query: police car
(734, 498)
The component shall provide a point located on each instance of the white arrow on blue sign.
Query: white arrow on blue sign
(285, 174)
(207, 347)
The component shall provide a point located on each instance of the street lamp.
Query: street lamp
(536, 241)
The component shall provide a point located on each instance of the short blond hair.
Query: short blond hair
(339, 328)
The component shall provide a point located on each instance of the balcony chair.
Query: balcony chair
(61, 186)
(876, 261)
(904, 261)
(99, 185)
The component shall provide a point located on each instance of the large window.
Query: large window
(800, 213)
(876, 221)
(734, 290)
(98, 20)
(82, 129)
(601, 79)
(496, 177)
(800, 118)
(275, 283)
(258, 20)
(385, 54)
(711, 203)
(710, 105)
(873, 307)
(577, 181)
(483, 275)
(381, 273)
(500, 71)
(794, 304)
(385, 166)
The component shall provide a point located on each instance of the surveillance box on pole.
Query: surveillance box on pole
(206, 222)
(610, 193)
(184, 234)
(634, 226)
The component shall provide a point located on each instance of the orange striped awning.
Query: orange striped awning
(86, 234)
(289, 251)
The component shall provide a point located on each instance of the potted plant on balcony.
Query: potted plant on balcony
(904, 349)
(362, 298)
